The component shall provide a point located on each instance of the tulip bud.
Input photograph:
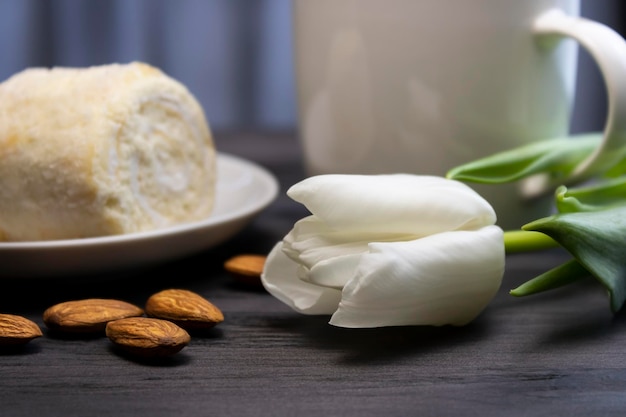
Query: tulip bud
(388, 250)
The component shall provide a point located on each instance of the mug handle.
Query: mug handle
(608, 49)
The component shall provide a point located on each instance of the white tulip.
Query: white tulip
(388, 250)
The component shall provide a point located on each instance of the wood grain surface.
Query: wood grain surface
(557, 354)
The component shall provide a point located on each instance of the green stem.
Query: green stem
(525, 241)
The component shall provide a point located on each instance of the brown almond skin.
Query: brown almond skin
(147, 337)
(88, 316)
(185, 308)
(17, 330)
(246, 268)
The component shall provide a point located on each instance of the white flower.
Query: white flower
(388, 250)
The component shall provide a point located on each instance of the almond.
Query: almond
(17, 330)
(246, 268)
(185, 308)
(89, 315)
(147, 337)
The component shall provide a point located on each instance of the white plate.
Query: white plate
(243, 190)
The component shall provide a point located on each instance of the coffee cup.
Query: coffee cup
(422, 86)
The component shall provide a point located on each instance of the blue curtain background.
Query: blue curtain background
(234, 55)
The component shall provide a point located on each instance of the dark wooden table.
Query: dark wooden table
(557, 354)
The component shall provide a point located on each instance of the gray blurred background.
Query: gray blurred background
(234, 55)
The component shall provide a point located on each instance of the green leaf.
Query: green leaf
(618, 170)
(600, 196)
(560, 276)
(597, 240)
(555, 157)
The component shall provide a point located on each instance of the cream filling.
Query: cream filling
(161, 156)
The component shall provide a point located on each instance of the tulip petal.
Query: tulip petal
(280, 279)
(334, 272)
(393, 204)
(311, 241)
(328, 257)
(442, 279)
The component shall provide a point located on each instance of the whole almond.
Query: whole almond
(17, 330)
(185, 308)
(147, 337)
(88, 316)
(246, 268)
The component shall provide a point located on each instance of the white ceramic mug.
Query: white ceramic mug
(422, 86)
